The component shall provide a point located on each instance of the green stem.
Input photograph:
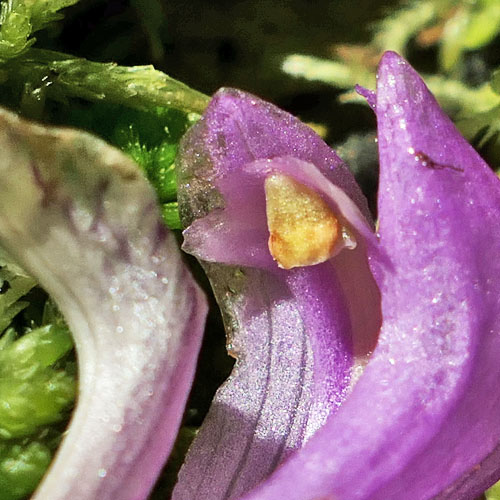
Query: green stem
(140, 87)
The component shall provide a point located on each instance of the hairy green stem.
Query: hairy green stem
(59, 75)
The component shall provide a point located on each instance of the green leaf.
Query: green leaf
(14, 34)
(335, 73)
(472, 26)
(43, 12)
(453, 95)
(396, 30)
(36, 387)
(483, 131)
(19, 19)
(14, 284)
(158, 164)
(150, 138)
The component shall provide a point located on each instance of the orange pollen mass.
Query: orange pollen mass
(303, 229)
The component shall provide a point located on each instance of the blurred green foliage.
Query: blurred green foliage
(34, 394)
(454, 29)
(22, 465)
(150, 138)
(37, 380)
(493, 493)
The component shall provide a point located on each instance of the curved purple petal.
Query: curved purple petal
(277, 394)
(422, 422)
(296, 333)
(81, 218)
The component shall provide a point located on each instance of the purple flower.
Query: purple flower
(367, 360)
(415, 306)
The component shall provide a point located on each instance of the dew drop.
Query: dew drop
(348, 239)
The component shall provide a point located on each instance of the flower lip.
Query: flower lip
(220, 236)
(324, 316)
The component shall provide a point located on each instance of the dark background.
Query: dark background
(210, 44)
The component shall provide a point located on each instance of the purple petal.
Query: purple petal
(277, 394)
(80, 217)
(296, 333)
(422, 422)
(241, 128)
